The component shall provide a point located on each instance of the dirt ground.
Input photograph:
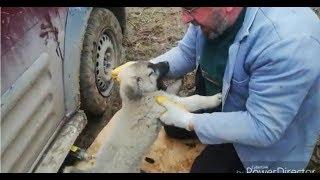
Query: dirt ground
(151, 32)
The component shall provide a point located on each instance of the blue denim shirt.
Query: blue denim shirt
(271, 88)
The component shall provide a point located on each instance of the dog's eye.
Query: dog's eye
(151, 73)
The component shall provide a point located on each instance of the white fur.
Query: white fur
(136, 127)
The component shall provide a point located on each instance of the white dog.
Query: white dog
(136, 125)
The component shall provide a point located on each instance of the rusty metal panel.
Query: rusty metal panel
(32, 97)
(75, 29)
(59, 149)
(31, 111)
(25, 34)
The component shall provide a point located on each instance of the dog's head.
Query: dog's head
(141, 77)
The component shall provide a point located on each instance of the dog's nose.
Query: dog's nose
(164, 64)
(163, 67)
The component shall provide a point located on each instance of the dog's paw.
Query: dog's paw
(72, 169)
(217, 99)
(219, 96)
(68, 169)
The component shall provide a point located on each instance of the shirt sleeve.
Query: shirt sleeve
(280, 80)
(182, 59)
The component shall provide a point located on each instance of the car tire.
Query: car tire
(101, 52)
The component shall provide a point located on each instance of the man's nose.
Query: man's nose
(186, 17)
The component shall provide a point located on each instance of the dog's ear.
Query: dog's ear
(133, 91)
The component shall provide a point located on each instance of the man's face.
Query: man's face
(212, 20)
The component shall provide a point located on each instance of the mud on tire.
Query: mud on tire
(103, 33)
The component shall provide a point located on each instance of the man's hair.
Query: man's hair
(188, 8)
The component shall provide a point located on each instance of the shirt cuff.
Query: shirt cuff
(203, 131)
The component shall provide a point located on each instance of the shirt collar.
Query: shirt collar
(247, 23)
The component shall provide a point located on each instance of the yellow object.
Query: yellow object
(116, 71)
(74, 148)
(162, 99)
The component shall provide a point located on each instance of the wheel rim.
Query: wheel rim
(105, 59)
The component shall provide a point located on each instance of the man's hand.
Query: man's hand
(175, 114)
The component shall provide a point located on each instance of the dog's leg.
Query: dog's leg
(72, 169)
(197, 102)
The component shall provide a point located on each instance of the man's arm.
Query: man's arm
(182, 59)
(280, 80)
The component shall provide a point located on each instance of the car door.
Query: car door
(32, 97)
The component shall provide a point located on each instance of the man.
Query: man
(266, 63)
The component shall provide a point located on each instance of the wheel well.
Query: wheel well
(120, 13)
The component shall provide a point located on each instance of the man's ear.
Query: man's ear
(133, 91)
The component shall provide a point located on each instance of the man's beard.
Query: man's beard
(212, 34)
